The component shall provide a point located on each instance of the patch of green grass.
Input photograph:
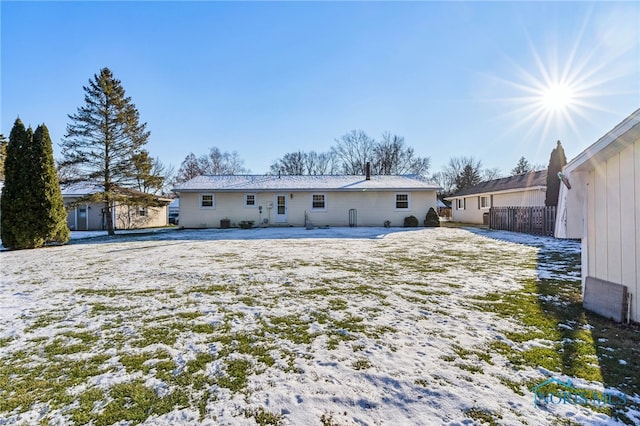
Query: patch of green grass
(87, 400)
(167, 335)
(291, 327)
(473, 369)
(338, 304)
(61, 346)
(516, 387)
(246, 343)
(361, 364)
(236, 373)
(103, 308)
(45, 320)
(213, 289)
(202, 328)
(190, 315)
(483, 416)
(264, 417)
(22, 385)
(134, 402)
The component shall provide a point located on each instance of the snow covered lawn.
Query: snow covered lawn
(361, 326)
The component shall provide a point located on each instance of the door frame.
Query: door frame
(281, 218)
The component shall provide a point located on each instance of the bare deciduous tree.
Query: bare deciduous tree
(392, 157)
(216, 163)
(352, 151)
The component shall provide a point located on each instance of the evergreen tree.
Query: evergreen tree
(523, 166)
(145, 173)
(15, 220)
(3, 154)
(32, 209)
(48, 206)
(102, 139)
(432, 219)
(557, 161)
(469, 177)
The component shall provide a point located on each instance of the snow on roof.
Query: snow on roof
(232, 183)
(80, 189)
(522, 181)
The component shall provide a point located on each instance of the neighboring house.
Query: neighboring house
(600, 203)
(90, 216)
(205, 201)
(174, 211)
(525, 190)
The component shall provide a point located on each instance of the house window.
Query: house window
(485, 202)
(318, 202)
(460, 202)
(207, 201)
(142, 211)
(402, 201)
(249, 200)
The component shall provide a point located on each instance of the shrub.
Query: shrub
(387, 223)
(432, 218)
(410, 222)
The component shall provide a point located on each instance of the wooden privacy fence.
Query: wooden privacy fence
(529, 220)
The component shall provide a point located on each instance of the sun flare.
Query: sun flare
(557, 97)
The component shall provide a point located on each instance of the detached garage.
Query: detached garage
(600, 203)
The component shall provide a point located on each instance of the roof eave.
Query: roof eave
(504, 191)
(618, 138)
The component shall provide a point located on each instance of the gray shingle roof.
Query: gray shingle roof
(523, 181)
(232, 183)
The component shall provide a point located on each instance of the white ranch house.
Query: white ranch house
(268, 200)
(525, 190)
(90, 216)
(602, 207)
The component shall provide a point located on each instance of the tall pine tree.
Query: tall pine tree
(557, 161)
(33, 213)
(15, 220)
(102, 139)
(523, 166)
(51, 216)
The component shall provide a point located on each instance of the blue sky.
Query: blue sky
(268, 78)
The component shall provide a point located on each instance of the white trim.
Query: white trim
(255, 200)
(324, 200)
(213, 201)
(488, 206)
(281, 217)
(395, 201)
(609, 142)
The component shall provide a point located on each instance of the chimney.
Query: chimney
(367, 171)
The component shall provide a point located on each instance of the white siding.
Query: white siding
(373, 208)
(527, 198)
(571, 207)
(471, 213)
(474, 214)
(635, 314)
(613, 223)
